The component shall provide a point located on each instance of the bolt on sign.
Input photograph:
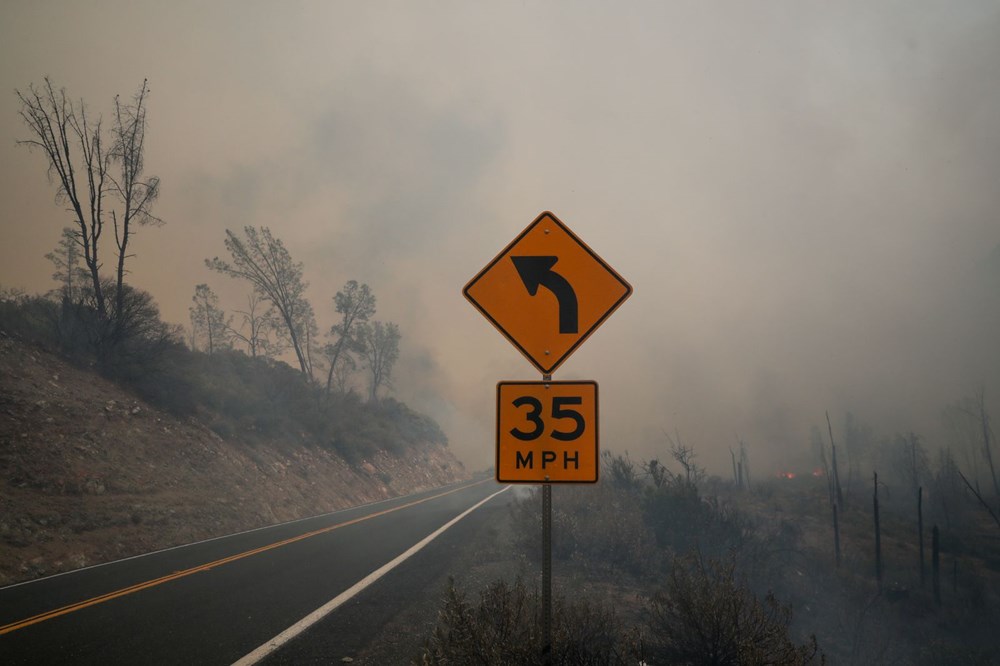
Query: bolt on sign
(547, 292)
(547, 432)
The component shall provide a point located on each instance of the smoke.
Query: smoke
(802, 195)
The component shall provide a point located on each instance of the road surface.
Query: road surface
(227, 599)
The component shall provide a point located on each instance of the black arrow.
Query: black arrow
(537, 271)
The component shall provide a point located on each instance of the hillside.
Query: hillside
(91, 473)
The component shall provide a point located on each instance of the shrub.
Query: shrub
(598, 525)
(705, 615)
(504, 629)
(235, 394)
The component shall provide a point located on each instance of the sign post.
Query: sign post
(547, 292)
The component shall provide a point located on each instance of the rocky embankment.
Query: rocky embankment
(89, 473)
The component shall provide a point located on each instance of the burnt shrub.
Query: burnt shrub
(599, 526)
(503, 628)
(705, 614)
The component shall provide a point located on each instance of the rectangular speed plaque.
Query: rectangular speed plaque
(547, 432)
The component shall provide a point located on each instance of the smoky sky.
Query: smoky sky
(802, 194)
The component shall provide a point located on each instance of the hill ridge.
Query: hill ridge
(90, 473)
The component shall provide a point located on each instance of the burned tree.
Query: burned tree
(208, 320)
(262, 260)
(256, 329)
(356, 304)
(100, 175)
(380, 344)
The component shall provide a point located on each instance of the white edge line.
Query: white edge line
(291, 632)
(228, 536)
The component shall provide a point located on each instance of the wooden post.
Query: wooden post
(878, 540)
(836, 535)
(745, 461)
(836, 473)
(920, 533)
(936, 564)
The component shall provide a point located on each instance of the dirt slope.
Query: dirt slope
(89, 473)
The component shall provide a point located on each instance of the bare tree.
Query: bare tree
(833, 464)
(859, 439)
(380, 344)
(982, 501)
(969, 421)
(99, 175)
(256, 329)
(356, 304)
(344, 367)
(745, 463)
(208, 320)
(818, 445)
(946, 489)
(685, 455)
(262, 260)
(69, 274)
(906, 457)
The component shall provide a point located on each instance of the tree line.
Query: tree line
(279, 317)
(99, 174)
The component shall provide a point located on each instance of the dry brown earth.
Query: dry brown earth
(89, 473)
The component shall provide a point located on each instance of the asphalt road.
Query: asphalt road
(217, 601)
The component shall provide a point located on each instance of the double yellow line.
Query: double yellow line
(138, 587)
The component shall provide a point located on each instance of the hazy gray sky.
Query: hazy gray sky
(803, 194)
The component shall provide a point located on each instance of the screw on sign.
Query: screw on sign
(546, 292)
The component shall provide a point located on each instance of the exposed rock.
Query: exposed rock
(79, 486)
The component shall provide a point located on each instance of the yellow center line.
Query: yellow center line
(138, 587)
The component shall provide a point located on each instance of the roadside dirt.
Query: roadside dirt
(89, 473)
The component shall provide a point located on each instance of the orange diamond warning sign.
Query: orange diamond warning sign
(547, 292)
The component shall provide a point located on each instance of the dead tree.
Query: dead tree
(836, 535)
(264, 262)
(920, 532)
(100, 175)
(980, 498)
(836, 475)
(745, 463)
(984, 421)
(878, 539)
(736, 476)
(817, 441)
(936, 564)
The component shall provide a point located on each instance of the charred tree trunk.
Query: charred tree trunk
(836, 473)
(984, 420)
(920, 533)
(836, 478)
(936, 564)
(878, 539)
(836, 535)
(745, 460)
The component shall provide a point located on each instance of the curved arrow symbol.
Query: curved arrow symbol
(537, 271)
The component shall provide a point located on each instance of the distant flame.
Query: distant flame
(786, 475)
(817, 472)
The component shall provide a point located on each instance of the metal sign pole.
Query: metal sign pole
(547, 565)
(547, 573)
